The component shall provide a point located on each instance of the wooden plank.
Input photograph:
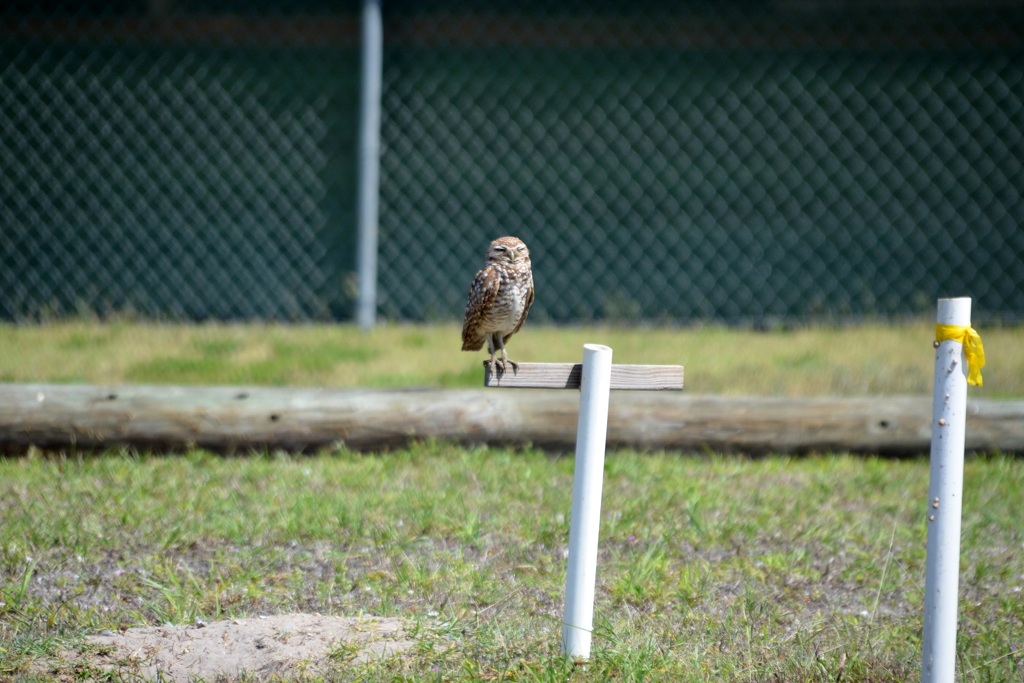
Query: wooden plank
(567, 376)
(62, 417)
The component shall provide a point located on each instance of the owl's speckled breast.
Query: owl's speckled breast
(508, 309)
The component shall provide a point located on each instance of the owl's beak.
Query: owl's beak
(513, 255)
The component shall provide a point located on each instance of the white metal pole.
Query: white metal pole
(942, 564)
(588, 479)
(369, 164)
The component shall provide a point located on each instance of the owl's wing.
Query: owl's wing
(482, 294)
(526, 310)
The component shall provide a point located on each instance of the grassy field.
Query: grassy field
(712, 568)
(853, 361)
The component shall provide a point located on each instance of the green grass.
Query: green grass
(711, 568)
(855, 361)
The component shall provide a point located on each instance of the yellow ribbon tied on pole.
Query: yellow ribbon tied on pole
(974, 352)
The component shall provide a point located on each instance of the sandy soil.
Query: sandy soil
(258, 646)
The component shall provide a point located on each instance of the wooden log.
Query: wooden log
(55, 416)
(568, 376)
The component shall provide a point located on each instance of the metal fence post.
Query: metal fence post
(369, 162)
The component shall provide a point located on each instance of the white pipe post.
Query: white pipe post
(588, 479)
(945, 490)
(369, 164)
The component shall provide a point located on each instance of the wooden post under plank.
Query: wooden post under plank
(567, 376)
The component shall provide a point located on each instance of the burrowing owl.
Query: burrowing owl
(499, 299)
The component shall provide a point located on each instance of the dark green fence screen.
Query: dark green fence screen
(665, 161)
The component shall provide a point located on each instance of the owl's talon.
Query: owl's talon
(515, 366)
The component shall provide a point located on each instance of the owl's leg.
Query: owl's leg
(505, 360)
(492, 364)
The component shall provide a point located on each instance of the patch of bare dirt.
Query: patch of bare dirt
(259, 647)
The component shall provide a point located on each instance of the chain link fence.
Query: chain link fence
(734, 161)
(176, 160)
